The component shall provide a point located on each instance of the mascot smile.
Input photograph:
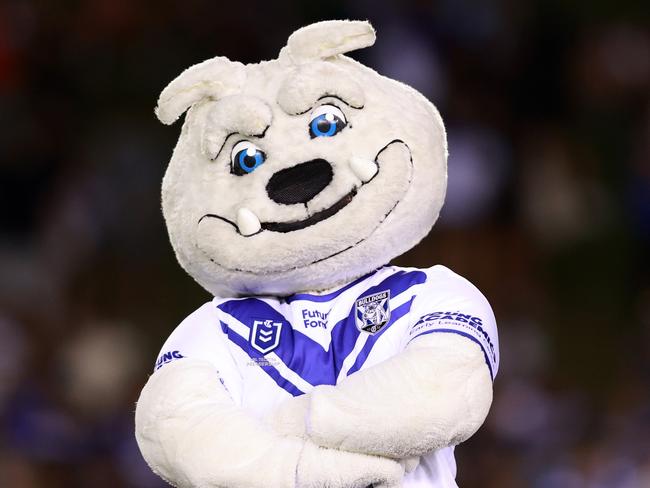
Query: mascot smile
(294, 182)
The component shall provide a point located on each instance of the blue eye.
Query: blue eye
(246, 157)
(326, 121)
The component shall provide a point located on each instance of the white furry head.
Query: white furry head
(302, 172)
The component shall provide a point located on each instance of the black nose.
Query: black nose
(300, 183)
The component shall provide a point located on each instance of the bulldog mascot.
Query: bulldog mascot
(316, 364)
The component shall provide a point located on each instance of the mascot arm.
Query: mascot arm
(193, 433)
(434, 394)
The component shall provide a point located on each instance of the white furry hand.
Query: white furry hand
(290, 417)
(410, 464)
(320, 467)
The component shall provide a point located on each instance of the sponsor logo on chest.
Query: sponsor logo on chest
(372, 312)
(314, 318)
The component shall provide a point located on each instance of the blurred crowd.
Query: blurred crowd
(547, 105)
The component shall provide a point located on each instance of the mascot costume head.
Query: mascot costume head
(302, 172)
(294, 182)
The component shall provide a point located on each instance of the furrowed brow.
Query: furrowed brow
(245, 115)
(340, 98)
(225, 139)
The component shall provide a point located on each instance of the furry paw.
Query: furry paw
(321, 467)
(410, 464)
(290, 417)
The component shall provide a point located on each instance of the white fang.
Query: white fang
(363, 168)
(247, 222)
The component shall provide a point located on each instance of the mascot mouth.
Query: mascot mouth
(293, 225)
(313, 219)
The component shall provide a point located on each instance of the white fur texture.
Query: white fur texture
(193, 435)
(329, 38)
(435, 394)
(270, 104)
(211, 79)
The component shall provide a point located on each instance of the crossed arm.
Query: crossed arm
(434, 394)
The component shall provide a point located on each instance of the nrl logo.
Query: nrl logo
(265, 335)
(372, 312)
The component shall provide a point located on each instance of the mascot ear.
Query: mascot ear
(326, 39)
(211, 79)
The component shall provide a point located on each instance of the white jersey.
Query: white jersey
(267, 349)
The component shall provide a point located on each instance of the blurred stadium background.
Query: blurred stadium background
(548, 111)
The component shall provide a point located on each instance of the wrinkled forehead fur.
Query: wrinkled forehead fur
(301, 173)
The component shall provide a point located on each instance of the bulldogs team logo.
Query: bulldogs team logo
(373, 311)
(265, 335)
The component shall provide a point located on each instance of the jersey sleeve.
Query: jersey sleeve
(448, 303)
(199, 336)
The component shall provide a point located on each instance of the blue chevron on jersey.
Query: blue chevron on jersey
(258, 357)
(311, 361)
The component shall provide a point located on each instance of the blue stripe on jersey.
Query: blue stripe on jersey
(464, 334)
(275, 375)
(396, 314)
(329, 296)
(303, 355)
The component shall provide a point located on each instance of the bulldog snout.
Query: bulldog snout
(300, 183)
